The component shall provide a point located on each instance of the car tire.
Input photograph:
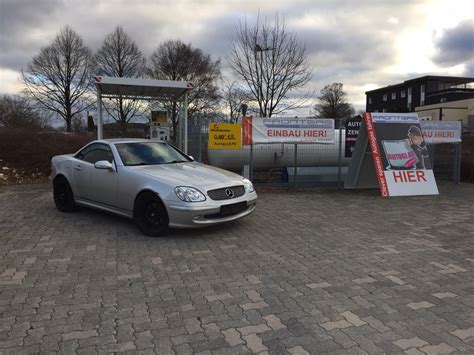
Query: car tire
(150, 215)
(63, 195)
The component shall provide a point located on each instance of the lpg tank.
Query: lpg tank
(277, 154)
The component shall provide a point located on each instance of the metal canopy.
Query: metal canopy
(143, 89)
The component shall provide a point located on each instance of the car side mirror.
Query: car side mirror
(191, 157)
(104, 165)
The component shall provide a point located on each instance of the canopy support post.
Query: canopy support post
(185, 125)
(100, 132)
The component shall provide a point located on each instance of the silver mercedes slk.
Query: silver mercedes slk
(152, 182)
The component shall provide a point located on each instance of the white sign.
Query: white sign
(436, 132)
(287, 130)
(411, 182)
(380, 117)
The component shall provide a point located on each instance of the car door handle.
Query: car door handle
(78, 167)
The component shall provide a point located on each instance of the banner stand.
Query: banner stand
(361, 172)
(400, 156)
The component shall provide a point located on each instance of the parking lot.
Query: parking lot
(310, 271)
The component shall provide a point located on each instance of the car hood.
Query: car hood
(194, 174)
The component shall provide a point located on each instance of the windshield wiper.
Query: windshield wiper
(137, 164)
(175, 161)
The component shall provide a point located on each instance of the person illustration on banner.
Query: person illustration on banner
(417, 143)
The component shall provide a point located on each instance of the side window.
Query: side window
(95, 152)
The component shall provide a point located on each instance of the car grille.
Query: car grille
(223, 194)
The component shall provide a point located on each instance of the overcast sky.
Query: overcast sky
(363, 44)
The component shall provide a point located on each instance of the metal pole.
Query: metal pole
(200, 138)
(100, 132)
(251, 163)
(179, 134)
(295, 169)
(457, 171)
(340, 157)
(185, 133)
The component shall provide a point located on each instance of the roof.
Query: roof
(142, 89)
(458, 79)
(125, 140)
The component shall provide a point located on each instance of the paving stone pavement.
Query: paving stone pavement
(310, 272)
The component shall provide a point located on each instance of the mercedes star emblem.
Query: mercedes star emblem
(229, 193)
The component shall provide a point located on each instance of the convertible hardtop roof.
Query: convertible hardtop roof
(128, 140)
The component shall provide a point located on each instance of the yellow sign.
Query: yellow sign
(225, 136)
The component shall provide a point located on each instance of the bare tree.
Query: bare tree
(78, 124)
(333, 103)
(174, 60)
(360, 112)
(17, 111)
(234, 96)
(272, 62)
(119, 56)
(59, 76)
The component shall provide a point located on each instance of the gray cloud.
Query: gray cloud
(23, 14)
(347, 43)
(470, 69)
(21, 24)
(456, 45)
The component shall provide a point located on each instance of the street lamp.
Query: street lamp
(258, 48)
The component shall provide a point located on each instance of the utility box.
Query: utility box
(160, 128)
(160, 131)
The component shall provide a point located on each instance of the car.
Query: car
(151, 182)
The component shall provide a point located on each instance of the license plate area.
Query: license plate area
(233, 208)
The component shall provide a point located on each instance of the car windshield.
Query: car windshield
(149, 153)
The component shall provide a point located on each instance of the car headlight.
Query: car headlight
(189, 194)
(248, 185)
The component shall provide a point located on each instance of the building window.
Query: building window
(394, 95)
(409, 99)
(422, 95)
(402, 93)
(385, 97)
(369, 100)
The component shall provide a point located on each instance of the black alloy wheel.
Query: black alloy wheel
(150, 215)
(63, 195)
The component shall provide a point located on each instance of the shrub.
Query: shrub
(27, 154)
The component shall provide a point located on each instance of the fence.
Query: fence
(446, 160)
(303, 165)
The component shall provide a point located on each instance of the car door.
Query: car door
(97, 185)
(79, 179)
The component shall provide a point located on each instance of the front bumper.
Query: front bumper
(202, 214)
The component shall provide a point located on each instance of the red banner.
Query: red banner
(247, 130)
(376, 154)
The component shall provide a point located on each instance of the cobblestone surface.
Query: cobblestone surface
(310, 272)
